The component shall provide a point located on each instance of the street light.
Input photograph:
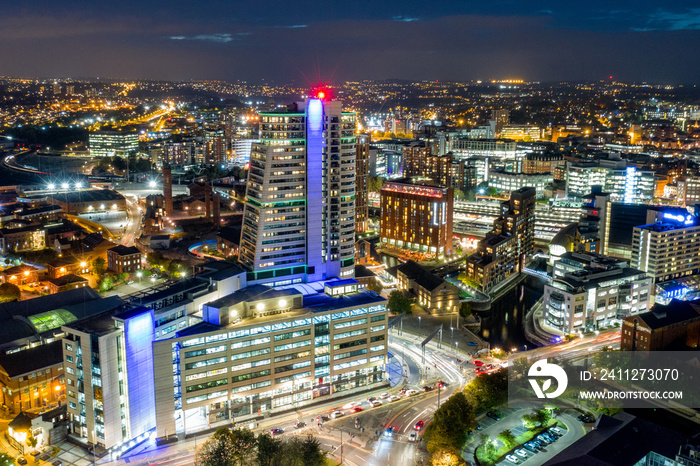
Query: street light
(139, 275)
(418, 326)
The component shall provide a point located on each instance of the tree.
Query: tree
(227, 447)
(520, 367)
(375, 286)
(6, 460)
(458, 194)
(375, 184)
(465, 310)
(491, 191)
(398, 303)
(507, 437)
(542, 416)
(269, 450)
(530, 420)
(303, 452)
(447, 457)
(9, 292)
(450, 425)
(98, 265)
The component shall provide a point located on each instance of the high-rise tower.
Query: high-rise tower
(299, 217)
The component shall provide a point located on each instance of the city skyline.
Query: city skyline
(311, 42)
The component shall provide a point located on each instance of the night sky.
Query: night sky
(295, 41)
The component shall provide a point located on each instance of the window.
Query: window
(350, 323)
(202, 352)
(205, 385)
(297, 334)
(204, 363)
(69, 347)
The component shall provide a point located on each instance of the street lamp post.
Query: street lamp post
(418, 326)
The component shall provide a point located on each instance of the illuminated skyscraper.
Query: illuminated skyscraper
(299, 217)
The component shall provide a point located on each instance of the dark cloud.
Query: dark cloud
(538, 40)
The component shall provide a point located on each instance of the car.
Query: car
(543, 439)
(44, 456)
(277, 431)
(412, 437)
(419, 425)
(530, 447)
(513, 459)
(537, 443)
(521, 453)
(323, 418)
(550, 437)
(402, 391)
(384, 396)
(299, 424)
(442, 383)
(478, 427)
(371, 399)
(375, 403)
(472, 343)
(389, 432)
(426, 388)
(21, 460)
(490, 366)
(493, 416)
(556, 430)
(394, 398)
(336, 414)
(357, 409)
(411, 392)
(478, 363)
(57, 463)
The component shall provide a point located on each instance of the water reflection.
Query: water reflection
(503, 325)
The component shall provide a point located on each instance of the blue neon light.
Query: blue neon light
(138, 341)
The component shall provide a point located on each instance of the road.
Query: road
(133, 223)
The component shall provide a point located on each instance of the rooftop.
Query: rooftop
(125, 250)
(675, 312)
(89, 195)
(67, 279)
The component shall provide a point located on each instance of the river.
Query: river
(503, 325)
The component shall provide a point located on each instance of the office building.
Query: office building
(436, 295)
(361, 178)
(507, 182)
(501, 149)
(590, 291)
(108, 143)
(521, 132)
(688, 190)
(299, 217)
(675, 326)
(416, 217)
(668, 248)
(625, 183)
(262, 351)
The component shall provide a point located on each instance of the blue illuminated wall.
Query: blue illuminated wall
(138, 346)
(315, 202)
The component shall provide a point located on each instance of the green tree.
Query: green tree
(227, 447)
(465, 310)
(450, 425)
(375, 286)
(303, 452)
(269, 450)
(543, 416)
(447, 457)
(507, 437)
(519, 367)
(491, 191)
(98, 265)
(398, 303)
(9, 292)
(487, 391)
(530, 420)
(375, 184)
(6, 460)
(459, 194)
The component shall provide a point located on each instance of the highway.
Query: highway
(133, 225)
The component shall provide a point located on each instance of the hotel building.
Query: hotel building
(416, 217)
(113, 143)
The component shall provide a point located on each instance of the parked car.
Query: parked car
(543, 439)
(44, 456)
(493, 416)
(513, 459)
(530, 447)
(521, 453)
(556, 430)
(472, 343)
(21, 460)
(419, 425)
(57, 463)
